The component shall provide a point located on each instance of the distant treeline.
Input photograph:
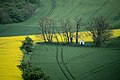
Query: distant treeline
(15, 11)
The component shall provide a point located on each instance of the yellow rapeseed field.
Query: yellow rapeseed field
(10, 54)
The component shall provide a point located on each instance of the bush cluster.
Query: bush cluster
(29, 72)
(27, 45)
(32, 73)
(14, 11)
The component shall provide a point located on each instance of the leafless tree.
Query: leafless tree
(67, 30)
(79, 23)
(43, 28)
(71, 33)
(100, 30)
(57, 35)
(47, 28)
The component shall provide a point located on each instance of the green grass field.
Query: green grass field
(58, 9)
(78, 63)
(70, 62)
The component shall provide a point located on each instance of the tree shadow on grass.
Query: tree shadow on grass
(87, 44)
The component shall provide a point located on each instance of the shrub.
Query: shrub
(27, 44)
(23, 66)
(32, 73)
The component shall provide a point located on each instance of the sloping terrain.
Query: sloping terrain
(58, 9)
(63, 63)
(78, 63)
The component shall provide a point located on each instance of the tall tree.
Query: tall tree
(42, 28)
(78, 25)
(66, 26)
(100, 30)
(47, 27)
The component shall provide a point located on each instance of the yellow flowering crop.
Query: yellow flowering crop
(10, 54)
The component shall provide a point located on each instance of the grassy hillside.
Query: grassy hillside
(78, 63)
(45, 56)
(58, 9)
(64, 62)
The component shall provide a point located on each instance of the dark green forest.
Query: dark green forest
(15, 11)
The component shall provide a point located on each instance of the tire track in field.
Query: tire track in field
(53, 7)
(98, 69)
(76, 58)
(79, 56)
(65, 65)
(57, 58)
(62, 66)
(98, 9)
(74, 8)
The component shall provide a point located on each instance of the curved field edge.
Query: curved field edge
(10, 54)
(58, 9)
(84, 63)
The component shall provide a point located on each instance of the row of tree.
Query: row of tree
(98, 27)
(30, 72)
(14, 11)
